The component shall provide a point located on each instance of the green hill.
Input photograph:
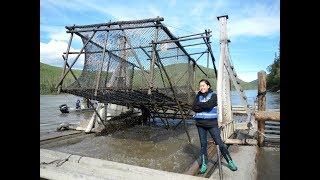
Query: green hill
(50, 75)
(213, 80)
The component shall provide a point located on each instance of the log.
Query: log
(267, 116)
(239, 111)
(241, 141)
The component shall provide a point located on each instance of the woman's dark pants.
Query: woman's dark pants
(215, 134)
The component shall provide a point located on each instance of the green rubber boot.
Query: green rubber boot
(203, 168)
(231, 165)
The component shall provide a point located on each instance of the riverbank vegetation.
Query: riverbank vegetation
(273, 78)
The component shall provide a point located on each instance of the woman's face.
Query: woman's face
(203, 87)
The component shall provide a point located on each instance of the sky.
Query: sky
(253, 26)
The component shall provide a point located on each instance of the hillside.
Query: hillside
(50, 75)
(212, 79)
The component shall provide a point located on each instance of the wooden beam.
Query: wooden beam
(267, 116)
(241, 141)
(117, 23)
(111, 29)
(74, 61)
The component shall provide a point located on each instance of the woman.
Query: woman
(205, 106)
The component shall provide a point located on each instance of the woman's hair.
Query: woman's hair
(205, 81)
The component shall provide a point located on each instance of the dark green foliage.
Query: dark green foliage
(273, 78)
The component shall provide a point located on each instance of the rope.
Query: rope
(262, 93)
(59, 161)
(178, 28)
(261, 133)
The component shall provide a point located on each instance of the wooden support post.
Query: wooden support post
(164, 85)
(261, 105)
(223, 81)
(107, 73)
(207, 41)
(65, 62)
(101, 64)
(190, 81)
(261, 130)
(262, 90)
(154, 49)
(74, 76)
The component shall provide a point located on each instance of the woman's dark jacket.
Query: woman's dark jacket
(205, 106)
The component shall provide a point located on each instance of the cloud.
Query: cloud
(247, 76)
(55, 32)
(198, 8)
(172, 3)
(51, 53)
(255, 26)
(246, 18)
(256, 20)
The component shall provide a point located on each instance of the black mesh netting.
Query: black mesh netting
(118, 66)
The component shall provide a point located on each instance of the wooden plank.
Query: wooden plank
(272, 127)
(274, 123)
(272, 140)
(267, 131)
(272, 136)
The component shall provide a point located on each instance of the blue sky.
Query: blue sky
(253, 26)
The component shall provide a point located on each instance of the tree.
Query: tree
(273, 78)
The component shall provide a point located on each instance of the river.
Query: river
(148, 146)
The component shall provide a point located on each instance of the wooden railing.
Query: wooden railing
(226, 130)
(261, 117)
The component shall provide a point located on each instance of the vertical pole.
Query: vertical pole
(190, 81)
(219, 161)
(227, 95)
(131, 78)
(261, 104)
(262, 90)
(101, 64)
(154, 49)
(223, 81)
(208, 64)
(65, 61)
(108, 66)
(175, 98)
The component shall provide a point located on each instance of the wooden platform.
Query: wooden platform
(58, 165)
